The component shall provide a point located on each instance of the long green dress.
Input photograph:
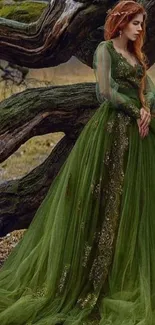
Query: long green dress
(89, 252)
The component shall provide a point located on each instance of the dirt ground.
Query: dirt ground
(8, 242)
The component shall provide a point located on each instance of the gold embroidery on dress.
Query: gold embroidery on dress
(79, 205)
(63, 278)
(131, 108)
(110, 126)
(87, 251)
(40, 292)
(107, 158)
(113, 191)
(90, 300)
(104, 239)
(96, 187)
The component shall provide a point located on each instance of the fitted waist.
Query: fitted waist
(133, 94)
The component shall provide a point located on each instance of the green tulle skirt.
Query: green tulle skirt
(88, 256)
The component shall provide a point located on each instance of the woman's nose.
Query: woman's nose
(139, 27)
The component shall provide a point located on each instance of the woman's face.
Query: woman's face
(134, 27)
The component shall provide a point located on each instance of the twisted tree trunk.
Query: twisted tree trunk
(20, 198)
(55, 37)
(66, 28)
(34, 112)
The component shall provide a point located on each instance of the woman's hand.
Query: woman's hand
(143, 122)
(143, 131)
(145, 117)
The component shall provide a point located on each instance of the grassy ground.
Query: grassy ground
(28, 156)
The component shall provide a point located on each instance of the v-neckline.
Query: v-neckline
(126, 60)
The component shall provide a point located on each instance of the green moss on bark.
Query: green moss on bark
(26, 12)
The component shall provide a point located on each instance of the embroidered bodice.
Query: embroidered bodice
(118, 81)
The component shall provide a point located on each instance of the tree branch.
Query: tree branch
(54, 38)
(20, 198)
(66, 28)
(150, 33)
(38, 111)
(34, 112)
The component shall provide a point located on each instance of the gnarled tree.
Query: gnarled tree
(65, 28)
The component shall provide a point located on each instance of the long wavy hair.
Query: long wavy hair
(117, 19)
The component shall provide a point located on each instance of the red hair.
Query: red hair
(117, 19)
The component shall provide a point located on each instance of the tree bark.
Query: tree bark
(54, 38)
(39, 111)
(34, 112)
(150, 32)
(20, 198)
(66, 28)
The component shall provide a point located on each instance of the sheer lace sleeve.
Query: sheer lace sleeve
(106, 87)
(150, 94)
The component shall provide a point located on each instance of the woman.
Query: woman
(89, 251)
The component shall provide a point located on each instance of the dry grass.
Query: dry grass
(28, 156)
(8, 242)
(70, 72)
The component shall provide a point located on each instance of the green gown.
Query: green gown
(89, 253)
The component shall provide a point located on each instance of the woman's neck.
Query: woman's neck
(121, 43)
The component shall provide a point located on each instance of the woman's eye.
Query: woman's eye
(137, 22)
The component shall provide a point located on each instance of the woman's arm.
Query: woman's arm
(106, 87)
(150, 94)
